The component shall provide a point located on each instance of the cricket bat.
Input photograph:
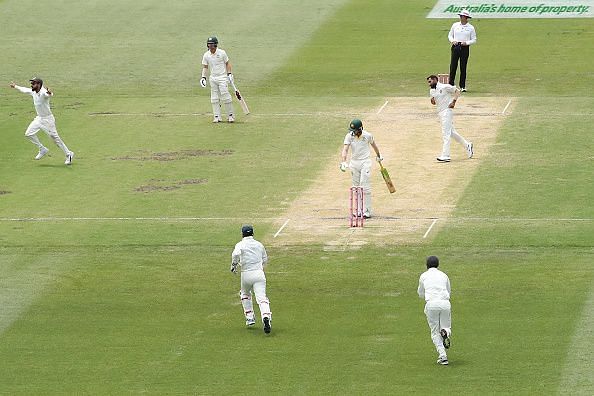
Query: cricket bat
(387, 179)
(241, 100)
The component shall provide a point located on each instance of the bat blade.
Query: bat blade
(240, 98)
(243, 104)
(387, 179)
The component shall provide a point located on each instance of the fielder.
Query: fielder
(45, 119)
(251, 256)
(444, 96)
(216, 61)
(359, 141)
(434, 288)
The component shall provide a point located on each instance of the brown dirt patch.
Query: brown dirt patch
(155, 185)
(408, 133)
(173, 155)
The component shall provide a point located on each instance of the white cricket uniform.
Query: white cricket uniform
(443, 95)
(360, 164)
(45, 119)
(219, 82)
(434, 288)
(252, 257)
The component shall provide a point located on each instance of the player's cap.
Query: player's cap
(465, 13)
(36, 79)
(247, 230)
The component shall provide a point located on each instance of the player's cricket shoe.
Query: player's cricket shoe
(445, 338)
(469, 150)
(443, 159)
(443, 361)
(462, 89)
(69, 158)
(267, 327)
(231, 119)
(250, 322)
(42, 152)
(216, 119)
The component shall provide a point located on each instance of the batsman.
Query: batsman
(216, 61)
(359, 140)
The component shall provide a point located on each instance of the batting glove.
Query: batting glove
(203, 82)
(379, 158)
(234, 268)
(231, 78)
(344, 166)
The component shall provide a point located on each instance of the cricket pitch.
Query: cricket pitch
(408, 134)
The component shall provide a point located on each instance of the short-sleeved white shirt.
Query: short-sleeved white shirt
(216, 62)
(443, 94)
(359, 145)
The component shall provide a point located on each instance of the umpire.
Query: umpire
(462, 35)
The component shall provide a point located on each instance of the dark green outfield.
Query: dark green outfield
(108, 304)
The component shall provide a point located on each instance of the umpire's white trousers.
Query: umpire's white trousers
(361, 173)
(254, 281)
(448, 131)
(439, 316)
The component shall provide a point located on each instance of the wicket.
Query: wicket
(443, 78)
(356, 207)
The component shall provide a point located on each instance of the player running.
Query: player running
(45, 119)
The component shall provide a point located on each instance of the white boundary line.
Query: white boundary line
(506, 106)
(280, 229)
(430, 227)
(383, 107)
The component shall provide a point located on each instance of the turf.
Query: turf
(118, 301)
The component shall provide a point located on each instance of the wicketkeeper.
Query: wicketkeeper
(217, 61)
(359, 141)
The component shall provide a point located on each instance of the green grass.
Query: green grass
(143, 306)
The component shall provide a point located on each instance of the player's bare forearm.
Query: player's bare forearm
(345, 151)
(376, 149)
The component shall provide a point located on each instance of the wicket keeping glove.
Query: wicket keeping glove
(203, 82)
(344, 166)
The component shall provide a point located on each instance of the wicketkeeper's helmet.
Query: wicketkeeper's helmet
(212, 40)
(355, 125)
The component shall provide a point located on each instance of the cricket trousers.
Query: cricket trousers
(48, 125)
(360, 173)
(219, 93)
(439, 316)
(254, 281)
(448, 131)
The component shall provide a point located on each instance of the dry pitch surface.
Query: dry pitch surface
(408, 134)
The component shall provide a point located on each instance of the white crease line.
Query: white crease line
(383, 107)
(430, 227)
(280, 229)
(506, 106)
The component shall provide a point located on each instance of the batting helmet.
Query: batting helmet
(212, 40)
(247, 230)
(355, 125)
